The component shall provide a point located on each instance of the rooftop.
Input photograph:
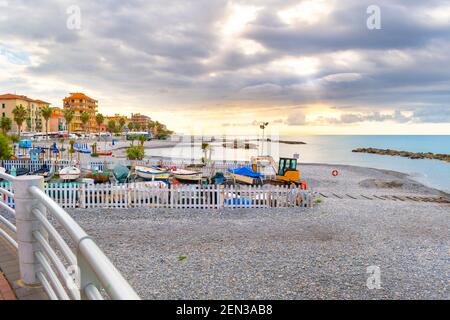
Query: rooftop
(10, 96)
(78, 95)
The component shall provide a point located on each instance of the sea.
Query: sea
(334, 149)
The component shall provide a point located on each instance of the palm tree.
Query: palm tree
(99, 118)
(68, 116)
(85, 117)
(20, 114)
(130, 126)
(137, 126)
(5, 124)
(46, 112)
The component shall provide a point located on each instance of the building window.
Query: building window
(3, 115)
(3, 106)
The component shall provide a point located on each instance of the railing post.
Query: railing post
(26, 223)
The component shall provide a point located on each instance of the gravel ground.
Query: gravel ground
(319, 253)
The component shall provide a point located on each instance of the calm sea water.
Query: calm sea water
(338, 150)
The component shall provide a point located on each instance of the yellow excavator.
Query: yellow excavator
(286, 172)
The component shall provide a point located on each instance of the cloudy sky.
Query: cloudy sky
(217, 66)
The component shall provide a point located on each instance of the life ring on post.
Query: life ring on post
(334, 173)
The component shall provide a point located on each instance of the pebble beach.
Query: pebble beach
(318, 253)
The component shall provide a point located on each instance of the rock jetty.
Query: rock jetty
(406, 154)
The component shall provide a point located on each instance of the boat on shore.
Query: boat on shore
(69, 173)
(187, 176)
(107, 153)
(45, 172)
(99, 176)
(17, 172)
(82, 148)
(246, 175)
(121, 173)
(152, 173)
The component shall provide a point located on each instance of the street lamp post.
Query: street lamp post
(263, 126)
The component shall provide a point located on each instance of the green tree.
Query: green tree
(99, 118)
(62, 140)
(46, 112)
(85, 117)
(135, 152)
(130, 126)
(20, 114)
(111, 126)
(141, 138)
(137, 126)
(71, 149)
(5, 148)
(68, 116)
(122, 122)
(14, 138)
(5, 124)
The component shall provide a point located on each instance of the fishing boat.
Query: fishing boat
(187, 175)
(69, 173)
(81, 147)
(45, 172)
(105, 153)
(17, 172)
(246, 175)
(152, 173)
(99, 176)
(121, 173)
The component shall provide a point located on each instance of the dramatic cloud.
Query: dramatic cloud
(272, 55)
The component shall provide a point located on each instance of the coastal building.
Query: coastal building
(34, 121)
(117, 118)
(140, 118)
(79, 102)
(57, 122)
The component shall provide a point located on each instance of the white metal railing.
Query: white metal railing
(64, 274)
(10, 232)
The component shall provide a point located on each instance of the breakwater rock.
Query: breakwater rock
(406, 154)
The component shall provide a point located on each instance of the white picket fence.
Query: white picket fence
(207, 170)
(137, 195)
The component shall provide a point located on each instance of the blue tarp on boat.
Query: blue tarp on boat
(246, 171)
(25, 144)
(81, 147)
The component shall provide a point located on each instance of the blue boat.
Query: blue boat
(82, 148)
(246, 175)
(25, 144)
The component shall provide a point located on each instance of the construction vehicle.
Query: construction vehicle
(285, 173)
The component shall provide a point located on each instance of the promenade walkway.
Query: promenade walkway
(10, 288)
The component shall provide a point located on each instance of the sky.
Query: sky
(222, 66)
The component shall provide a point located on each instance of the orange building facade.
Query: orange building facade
(57, 122)
(79, 102)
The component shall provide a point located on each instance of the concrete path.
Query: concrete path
(10, 276)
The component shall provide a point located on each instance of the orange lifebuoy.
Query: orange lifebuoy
(334, 173)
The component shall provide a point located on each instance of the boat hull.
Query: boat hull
(187, 176)
(150, 174)
(244, 179)
(69, 174)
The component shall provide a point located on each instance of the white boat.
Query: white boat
(187, 175)
(149, 173)
(69, 173)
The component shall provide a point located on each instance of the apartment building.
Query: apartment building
(79, 102)
(34, 121)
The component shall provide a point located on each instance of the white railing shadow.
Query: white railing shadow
(85, 274)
